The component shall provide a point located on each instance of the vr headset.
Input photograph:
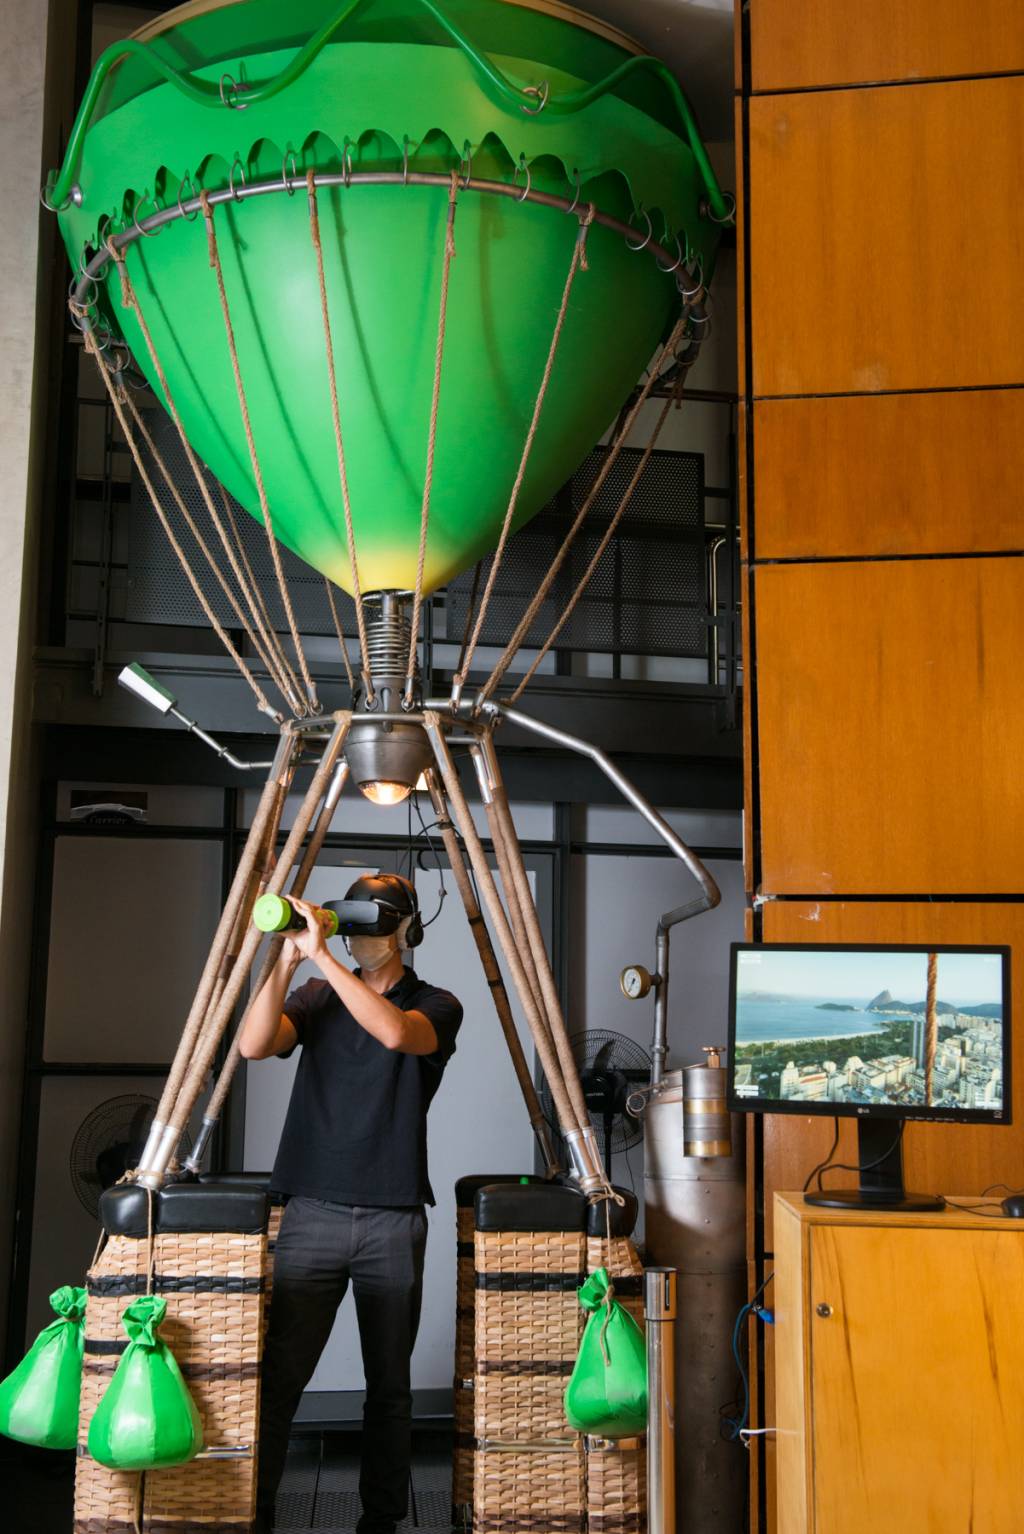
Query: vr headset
(376, 905)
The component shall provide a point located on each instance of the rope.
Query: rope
(312, 701)
(428, 477)
(340, 633)
(129, 300)
(117, 398)
(285, 665)
(579, 260)
(526, 621)
(314, 230)
(606, 539)
(266, 657)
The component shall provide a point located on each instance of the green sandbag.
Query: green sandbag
(147, 1420)
(607, 1393)
(39, 1400)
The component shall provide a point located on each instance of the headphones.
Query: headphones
(395, 899)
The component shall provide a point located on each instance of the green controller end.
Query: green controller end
(271, 913)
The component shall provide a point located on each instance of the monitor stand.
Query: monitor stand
(880, 1155)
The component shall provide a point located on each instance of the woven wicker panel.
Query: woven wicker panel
(213, 1284)
(529, 1251)
(616, 1487)
(532, 1491)
(465, 1363)
(522, 1406)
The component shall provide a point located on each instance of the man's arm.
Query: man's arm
(411, 1033)
(266, 1031)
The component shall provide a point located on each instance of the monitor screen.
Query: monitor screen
(861, 1031)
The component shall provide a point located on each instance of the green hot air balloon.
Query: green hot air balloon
(538, 111)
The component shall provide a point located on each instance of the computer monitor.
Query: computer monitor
(882, 1034)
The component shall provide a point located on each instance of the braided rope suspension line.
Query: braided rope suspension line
(281, 655)
(523, 626)
(578, 263)
(567, 1117)
(332, 380)
(428, 476)
(267, 646)
(343, 646)
(312, 701)
(118, 398)
(609, 533)
(266, 657)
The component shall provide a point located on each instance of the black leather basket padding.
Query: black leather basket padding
(623, 1216)
(244, 1180)
(466, 1188)
(540, 1206)
(184, 1207)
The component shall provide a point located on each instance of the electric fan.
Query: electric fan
(108, 1143)
(611, 1066)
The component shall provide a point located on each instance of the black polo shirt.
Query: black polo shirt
(356, 1129)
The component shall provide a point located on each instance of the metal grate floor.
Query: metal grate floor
(320, 1489)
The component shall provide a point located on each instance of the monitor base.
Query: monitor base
(875, 1199)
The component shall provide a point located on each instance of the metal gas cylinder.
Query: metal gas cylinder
(694, 1193)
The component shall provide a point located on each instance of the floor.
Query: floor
(319, 1491)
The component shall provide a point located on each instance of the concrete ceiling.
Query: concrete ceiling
(695, 39)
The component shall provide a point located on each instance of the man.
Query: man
(353, 1164)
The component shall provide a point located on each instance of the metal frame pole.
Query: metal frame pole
(660, 1327)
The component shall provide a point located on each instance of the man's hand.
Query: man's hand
(311, 943)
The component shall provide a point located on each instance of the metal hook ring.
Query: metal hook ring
(525, 170)
(467, 161)
(230, 98)
(346, 162)
(729, 217)
(287, 176)
(405, 159)
(231, 176)
(541, 92)
(148, 234)
(80, 277)
(579, 189)
(677, 263)
(48, 205)
(650, 230)
(189, 218)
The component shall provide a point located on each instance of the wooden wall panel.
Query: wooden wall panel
(890, 473)
(801, 43)
(886, 238)
(890, 726)
(939, 1158)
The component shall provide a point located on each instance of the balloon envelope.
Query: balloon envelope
(388, 90)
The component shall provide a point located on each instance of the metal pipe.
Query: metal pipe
(660, 1326)
(659, 1046)
(712, 895)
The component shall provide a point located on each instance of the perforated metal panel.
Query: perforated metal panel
(158, 589)
(648, 593)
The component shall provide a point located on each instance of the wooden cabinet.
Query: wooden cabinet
(899, 1351)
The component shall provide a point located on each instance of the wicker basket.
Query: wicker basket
(528, 1472)
(214, 1286)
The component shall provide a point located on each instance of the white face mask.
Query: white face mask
(372, 952)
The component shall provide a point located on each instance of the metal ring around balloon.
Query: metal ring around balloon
(285, 177)
(729, 215)
(405, 159)
(541, 92)
(522, 166)
(579, 188)
(346, 162)
(231, 177)
(233, 104)
(189, 218)
(650, 231)
(677, 263)
(467, 161)
(94, 268)
(148, 234)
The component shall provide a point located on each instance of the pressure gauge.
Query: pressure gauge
(635, 982)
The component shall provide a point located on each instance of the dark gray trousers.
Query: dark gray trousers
(321, 1248)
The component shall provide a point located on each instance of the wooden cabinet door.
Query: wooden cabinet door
(917, 1379)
